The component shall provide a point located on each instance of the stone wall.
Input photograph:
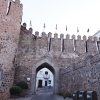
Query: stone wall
(33, 50)
(20, 51)
(79, 45)
(25, 55)
(9, 37)
(84, 75)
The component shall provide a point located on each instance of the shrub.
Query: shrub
(22, 85)
(67, 94)
(59, 93)
(15, 90)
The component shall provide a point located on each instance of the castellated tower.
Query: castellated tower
(10, 22)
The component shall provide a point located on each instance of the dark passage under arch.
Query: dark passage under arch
(45, 65)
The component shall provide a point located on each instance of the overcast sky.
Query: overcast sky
(83, 14)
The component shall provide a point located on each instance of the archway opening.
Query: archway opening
(45, 75)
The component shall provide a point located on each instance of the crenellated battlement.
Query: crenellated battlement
(23, 53)
(70, 44)
(25, 30)
(75, 37)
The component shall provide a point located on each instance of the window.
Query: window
(46, 72)
(49, 81)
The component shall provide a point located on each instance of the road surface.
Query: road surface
(44, 95)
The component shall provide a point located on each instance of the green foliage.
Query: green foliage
(15, 90)
(67, 94)
(22, 85)
(59, 93)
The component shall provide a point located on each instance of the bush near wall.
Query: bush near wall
(67, 94)
(59, 93)
(15, 90)
(22, 85)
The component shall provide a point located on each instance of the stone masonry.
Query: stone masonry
(9, 36)
(83, 76)
(32, 50)
(22, 54)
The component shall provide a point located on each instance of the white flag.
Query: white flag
(74, 45)
(49, 42)
(97, 46)
(8, 7)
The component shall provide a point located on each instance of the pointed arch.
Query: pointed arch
(45, 65)
(52, 67)
(45, 61)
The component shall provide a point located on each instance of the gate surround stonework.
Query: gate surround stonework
(55, 72)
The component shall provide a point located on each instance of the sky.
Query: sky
(83, 14)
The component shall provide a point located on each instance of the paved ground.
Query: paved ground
(42, 95)
(57, 97)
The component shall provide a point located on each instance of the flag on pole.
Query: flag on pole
(56, 26)
(30, 23)
(88, 30)
(85, 46)
(62, 45)
(8, 7)
(49, 43)
(77, 30)
(97, 46)
(44, 26)
(74, 45)
(66, 28)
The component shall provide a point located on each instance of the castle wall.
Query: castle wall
(80, 45)
(9, 36)
(21, 51)
(25, 55)
(82, 76)
(33, 49)
(92, 46)
(55, 44)
(68, 46)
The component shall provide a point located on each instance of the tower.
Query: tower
(10, 22)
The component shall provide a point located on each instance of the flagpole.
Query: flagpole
(88, 32)
(30, 23)
(43, 27)
(77, 31)
(66, 29)
(56, 29)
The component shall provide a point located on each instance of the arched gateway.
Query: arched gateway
(52, 67)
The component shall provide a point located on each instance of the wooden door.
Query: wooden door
(40, 84)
